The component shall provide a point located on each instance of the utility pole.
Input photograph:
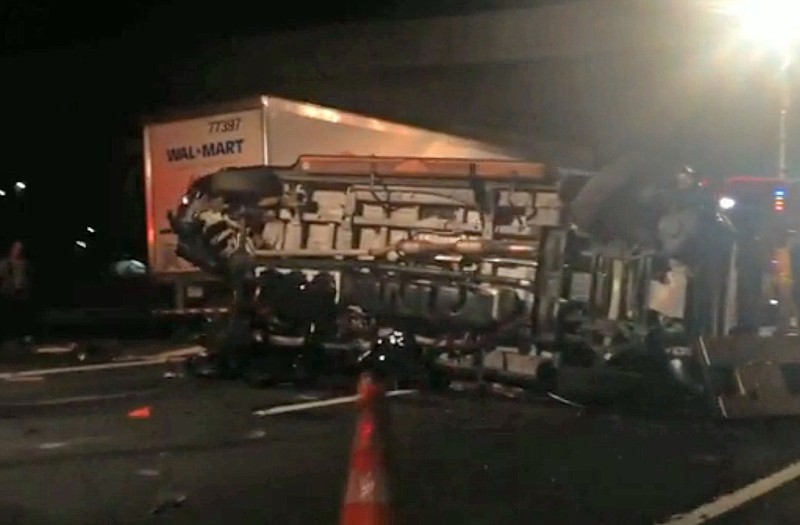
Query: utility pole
(786, 99)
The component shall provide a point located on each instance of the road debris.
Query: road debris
(564, 400)
(53, 349)
(24, 379)
(256, 433)
(140, 413)
(172, 501)
(53, 445)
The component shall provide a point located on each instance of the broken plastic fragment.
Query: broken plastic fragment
(140, 413)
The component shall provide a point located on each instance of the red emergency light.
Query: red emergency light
(774, 191)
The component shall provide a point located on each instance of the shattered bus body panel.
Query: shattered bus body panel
(177, 152)
(443, 251)
(753, 375)
(700, 285)
(753, 367)
(381, 257)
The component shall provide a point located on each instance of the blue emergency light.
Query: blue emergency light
(779, 200)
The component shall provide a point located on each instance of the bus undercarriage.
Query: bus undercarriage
(622, 287)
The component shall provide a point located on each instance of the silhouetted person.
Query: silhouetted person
(15, 292)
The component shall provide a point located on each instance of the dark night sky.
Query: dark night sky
(66, 116)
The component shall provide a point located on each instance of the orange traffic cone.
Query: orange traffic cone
(366, 498)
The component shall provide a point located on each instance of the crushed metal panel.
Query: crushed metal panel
(751, 376)
(669, 298)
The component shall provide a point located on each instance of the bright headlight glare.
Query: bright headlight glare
(726, 203)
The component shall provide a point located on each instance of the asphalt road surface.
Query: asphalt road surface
(69, 453)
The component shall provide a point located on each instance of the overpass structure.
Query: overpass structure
(576, 82)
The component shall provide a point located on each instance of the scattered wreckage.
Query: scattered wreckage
(621, 285)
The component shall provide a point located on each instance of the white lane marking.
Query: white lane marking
(296, 407)
(182, 352)
(732, 500)
(127, 358)
(158, 359)
(80, 368)
(78, 399)
(55, 349)
(53, 445)
(25, 379)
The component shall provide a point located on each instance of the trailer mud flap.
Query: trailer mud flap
(750, 376)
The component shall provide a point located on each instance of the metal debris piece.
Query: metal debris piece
(256, 433)
(307, 397)
(564, 400)
(706, 459)
(509, 392)
(173, 501)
